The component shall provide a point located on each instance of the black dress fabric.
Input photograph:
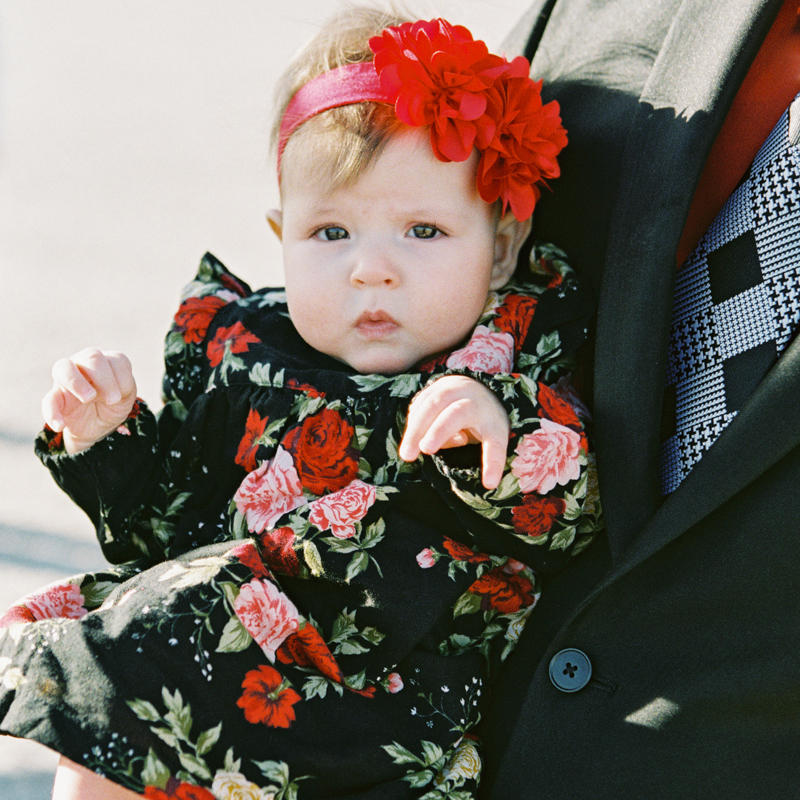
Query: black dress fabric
(295, 611)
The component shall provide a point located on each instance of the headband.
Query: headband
(435, 74)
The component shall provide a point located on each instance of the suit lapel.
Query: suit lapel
(765, 430)
(681, 108)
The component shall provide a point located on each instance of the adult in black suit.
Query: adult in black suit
(689, 610)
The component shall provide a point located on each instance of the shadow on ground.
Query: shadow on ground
(42, 550)
(26, 786)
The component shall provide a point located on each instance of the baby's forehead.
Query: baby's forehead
(328, 154)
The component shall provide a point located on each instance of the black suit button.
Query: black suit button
(570, 670)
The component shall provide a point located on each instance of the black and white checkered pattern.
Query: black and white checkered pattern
(737, 304)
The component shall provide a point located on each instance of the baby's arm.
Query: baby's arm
(453, 411)
(92, 395)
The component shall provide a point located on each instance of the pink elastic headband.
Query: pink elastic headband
(343, 86)
(437, 76)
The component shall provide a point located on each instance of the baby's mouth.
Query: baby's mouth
(376, 325)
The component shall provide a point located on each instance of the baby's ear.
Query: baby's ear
(275, 220)
(510, 235)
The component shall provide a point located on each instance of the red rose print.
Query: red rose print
(556, 407)
(431, 364)
(502, 592)
(514, 317)
(537, 514)
(308, 649)
(247, 553)
(236, 339)
(229, 282)
(322, 451)
(277, 549)
(338, 512)
(556, 277)
(547, 457)
(267, 698)
(268, 615)
(394, 683)
(460, 552)
(486, 351)
(16, 614)
(309, 390)
(195, 315)
(253, 431)
(425, 558)
(269, 492)
(57, 601)
(176, 790)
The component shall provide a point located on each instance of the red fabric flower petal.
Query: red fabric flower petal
(537, 514)
(267, 699)
(460, 552)
(277, 549)
(248, 447)
(321, 447)
(194, 316)
(308, 649)
(236, 339)
(502, 592)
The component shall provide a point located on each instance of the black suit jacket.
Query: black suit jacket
(690, 609)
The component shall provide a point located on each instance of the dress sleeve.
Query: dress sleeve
(524, 352)
(119, 481)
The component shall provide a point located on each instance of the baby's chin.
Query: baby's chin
(383, 363)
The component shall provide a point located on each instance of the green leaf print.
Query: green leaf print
(235, 637)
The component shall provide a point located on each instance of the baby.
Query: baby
(330, 537)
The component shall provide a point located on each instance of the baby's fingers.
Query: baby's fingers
(123, 374)
(54, 407)
(493, 461)
(458, 423)
(92, 373)
(451, 424)
(71, 379)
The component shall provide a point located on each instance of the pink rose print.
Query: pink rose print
(269, 492)
(547, 457)
(61, 600)
(394, 683)
(267, 613)
(485, 352)
(339, 511)
(426, 558)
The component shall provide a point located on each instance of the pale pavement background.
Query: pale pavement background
(133, 138)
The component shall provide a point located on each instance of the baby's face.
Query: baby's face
(392, 268)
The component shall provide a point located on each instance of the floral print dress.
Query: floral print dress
(297, 612)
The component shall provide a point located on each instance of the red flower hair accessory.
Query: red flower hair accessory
(436, 74)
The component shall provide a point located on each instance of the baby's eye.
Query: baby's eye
(424, 232)
(331, 234)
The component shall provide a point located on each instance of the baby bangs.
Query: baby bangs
(342, 142)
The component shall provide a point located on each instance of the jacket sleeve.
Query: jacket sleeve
(122, 482)
(546, 507)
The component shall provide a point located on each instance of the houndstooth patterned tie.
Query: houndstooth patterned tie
(737, 303)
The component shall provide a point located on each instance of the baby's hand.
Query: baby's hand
(454, 411)
(93, 393)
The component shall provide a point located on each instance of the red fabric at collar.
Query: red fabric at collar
(345, 85)
(771, 84)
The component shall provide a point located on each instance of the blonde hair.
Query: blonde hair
(343, 141)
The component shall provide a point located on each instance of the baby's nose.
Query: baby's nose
(373, 267)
